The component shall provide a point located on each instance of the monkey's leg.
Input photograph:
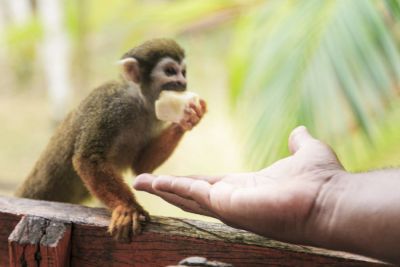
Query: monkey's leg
(104, 182)
(158, 150)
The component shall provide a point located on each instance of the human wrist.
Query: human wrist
(319, 227)
(360, 213)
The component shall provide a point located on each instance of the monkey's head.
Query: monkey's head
(156, 65)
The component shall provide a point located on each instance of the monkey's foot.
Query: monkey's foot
(125, 222)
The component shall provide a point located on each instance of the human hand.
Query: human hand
(192, 115)
(281, 201)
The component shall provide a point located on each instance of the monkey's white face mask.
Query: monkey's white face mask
(172, 103)
(170, 76)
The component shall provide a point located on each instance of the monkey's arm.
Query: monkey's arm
(159, 149)
(104, 182)
(162, 146)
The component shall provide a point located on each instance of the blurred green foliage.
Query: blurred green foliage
(333, 66)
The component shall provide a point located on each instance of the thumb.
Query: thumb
(298, 138)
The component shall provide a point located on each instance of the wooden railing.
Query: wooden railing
(40, 233)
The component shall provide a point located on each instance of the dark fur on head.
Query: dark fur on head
(150, 52)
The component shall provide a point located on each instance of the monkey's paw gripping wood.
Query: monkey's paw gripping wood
(41, 233)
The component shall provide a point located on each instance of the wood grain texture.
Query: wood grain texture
(7, 224)
(55, 245)
(36, 241)
(23, 243)
(166, 241)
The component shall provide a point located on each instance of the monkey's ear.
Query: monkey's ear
(130, 69)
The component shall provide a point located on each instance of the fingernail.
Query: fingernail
(300, 128)
(142, 179)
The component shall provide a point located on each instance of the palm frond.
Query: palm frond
(330, 65)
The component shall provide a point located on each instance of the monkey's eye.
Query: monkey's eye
(184, 73)
(170, 71)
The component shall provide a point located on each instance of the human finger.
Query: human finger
(210, 179)
(145, 178)
(298, 138)
(185, 204)
(143, 182)
(192, 189)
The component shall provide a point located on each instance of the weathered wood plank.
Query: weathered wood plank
(7, 224)
(157, 249)
(55, 245)
(166, 241)
(37, 241)
(23, 243)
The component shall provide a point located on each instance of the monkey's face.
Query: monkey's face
(168, 74)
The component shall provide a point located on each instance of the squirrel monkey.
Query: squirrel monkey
(113, 129)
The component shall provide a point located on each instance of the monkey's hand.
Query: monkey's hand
(193, 114)
(125, 222)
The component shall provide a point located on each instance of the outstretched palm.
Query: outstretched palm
(280, 199)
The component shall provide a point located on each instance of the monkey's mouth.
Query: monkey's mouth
(174, 86)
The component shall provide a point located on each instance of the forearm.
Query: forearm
(360, 213)
(101, 179)
(159, 149)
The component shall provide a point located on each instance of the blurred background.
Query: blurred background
(264, 67)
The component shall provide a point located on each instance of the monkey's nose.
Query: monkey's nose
(182, 84)
(181, 80)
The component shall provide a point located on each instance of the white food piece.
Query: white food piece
(171, 105)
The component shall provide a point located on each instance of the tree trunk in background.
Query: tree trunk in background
(56, 53)
(20, 11)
